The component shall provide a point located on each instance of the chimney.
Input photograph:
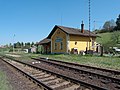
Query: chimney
(82, 27)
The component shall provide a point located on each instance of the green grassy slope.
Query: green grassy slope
(104, 37)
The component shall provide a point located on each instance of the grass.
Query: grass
(104, 37)
(97, 61)
(103, 62)
(3, 82)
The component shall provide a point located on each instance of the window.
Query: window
(55, 47)
(61, 45)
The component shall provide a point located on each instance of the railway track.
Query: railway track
(33, 83)
(109, 79)
(108, 72)
(49, 80)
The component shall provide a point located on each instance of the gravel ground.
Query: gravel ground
(15, 79)
(74, 74)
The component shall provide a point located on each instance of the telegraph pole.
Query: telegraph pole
(89, 20)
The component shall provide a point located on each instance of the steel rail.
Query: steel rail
(86, 72)
(46, 87)
(82, 83)
(86, 66)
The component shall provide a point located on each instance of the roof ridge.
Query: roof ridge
(68, 27)
(72, 31)
(71, 28)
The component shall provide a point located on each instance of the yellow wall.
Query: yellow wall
(69, 42)
(82, 43)
(62, 35)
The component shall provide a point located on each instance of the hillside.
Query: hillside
(104, 37)
(109, 39)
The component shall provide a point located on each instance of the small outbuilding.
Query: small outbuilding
(46, 44)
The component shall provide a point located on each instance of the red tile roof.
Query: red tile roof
(44, 41)
(68, 30)
(72, 31)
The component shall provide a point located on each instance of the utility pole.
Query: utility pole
(95, 22)
(89, 21)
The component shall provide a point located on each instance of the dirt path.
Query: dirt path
(13, 55)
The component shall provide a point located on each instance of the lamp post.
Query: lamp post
(13, 43)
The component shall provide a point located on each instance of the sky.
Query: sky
(33, 20)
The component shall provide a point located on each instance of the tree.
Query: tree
(18, 45)
(112, 23)
(32, 43)
(116, 37)
(118, 23)
(27, 45)
(10, 45)
(106, 25)
(22, 44)
(114, 42)
(14, 45)
(109, 25)
(40, 49)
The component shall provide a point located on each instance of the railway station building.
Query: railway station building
(69, 40)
